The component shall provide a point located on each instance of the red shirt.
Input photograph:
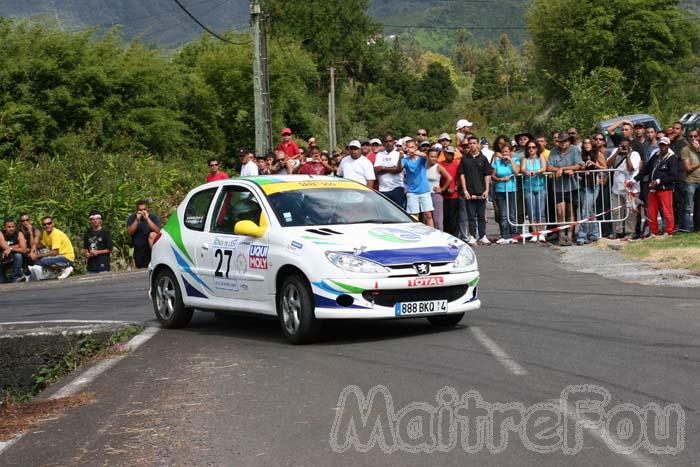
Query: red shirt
(452, 168)
(290, 149)
(312, 168)
(219, 175)
(372, 156)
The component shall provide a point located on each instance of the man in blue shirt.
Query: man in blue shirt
(418, 198)
(564, 160)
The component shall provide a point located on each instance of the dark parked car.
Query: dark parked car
(644, 119)
(690, 121)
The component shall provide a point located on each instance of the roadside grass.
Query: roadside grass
(681, 251)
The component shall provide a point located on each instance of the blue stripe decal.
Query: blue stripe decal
(323, 302)
(434, 254)
(326, 288)
(186, 267)
(191, 291)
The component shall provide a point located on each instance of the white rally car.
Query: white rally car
(306, 248)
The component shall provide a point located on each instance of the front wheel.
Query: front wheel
(167, 301)
(295, 308)
(445, 320)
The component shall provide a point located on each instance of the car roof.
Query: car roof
(271, 184)
(633, 118)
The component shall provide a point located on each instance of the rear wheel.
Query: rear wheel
(295, 308)
(445, 320)
(167, 301)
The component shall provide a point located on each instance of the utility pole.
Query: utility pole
(266, 84)
(262, 136)
(331, 112)
(507, 78)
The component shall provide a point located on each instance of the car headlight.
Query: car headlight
(465, 257)
(354, 263)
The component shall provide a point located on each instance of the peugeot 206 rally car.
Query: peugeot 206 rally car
(306, 248)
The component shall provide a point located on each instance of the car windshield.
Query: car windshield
(326, 206)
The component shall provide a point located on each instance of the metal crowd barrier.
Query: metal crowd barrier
(590, 193)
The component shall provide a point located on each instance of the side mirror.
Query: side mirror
(248, 229)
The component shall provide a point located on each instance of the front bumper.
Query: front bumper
(368, 298)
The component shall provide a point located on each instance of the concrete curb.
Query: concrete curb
(84, 278)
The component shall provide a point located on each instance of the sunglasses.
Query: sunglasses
(598, 138)
(24, 220)
(46, 223)
(532, 147)
(213, 165)
(694, 136)
(572, 133)
(421, 134)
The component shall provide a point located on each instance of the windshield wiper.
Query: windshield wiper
(376, 221)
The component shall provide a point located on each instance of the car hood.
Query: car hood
(387, 244)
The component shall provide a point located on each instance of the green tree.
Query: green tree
(435, 90)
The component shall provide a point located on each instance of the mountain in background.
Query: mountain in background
(433, 24)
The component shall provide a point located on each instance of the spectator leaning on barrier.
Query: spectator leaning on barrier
(97, 244)
(589, 189)
(389, 172)
(663, 173)
(357, 167)
(532, 168)
(564, 160)
(55, 250)
(14, 247)
(504, 169)
(690, 157)
(418, 197)
(215, 172)
(475, 179)
(438, 179)
(143, 228)
(627, 163)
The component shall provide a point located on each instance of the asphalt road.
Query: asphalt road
(232, 392)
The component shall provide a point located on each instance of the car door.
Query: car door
(235, 265)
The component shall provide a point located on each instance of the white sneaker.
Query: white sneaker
(471, 240)
(502, 241)
(534, 238)
(542, 238)
(484, 240)
(65, 273)
(511, 241)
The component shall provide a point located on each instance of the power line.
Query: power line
(203, 26)
(468, 28)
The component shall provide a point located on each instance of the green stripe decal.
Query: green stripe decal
(173, 229)
(474, 282)
(349, 288)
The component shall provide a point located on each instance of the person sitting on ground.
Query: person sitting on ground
(55, 250)
(97, 244)
(418, 198)
(215, 173)
(143, 229)
(564, 160)
(663, 169)
(533, 166)
(13, 247)
(503, 171)
(32, 235)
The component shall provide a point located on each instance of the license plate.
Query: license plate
(420, 308)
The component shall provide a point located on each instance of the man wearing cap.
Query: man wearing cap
(97, 244)
(463, 126)
(367, 150)
(444, 140)
(287, 145)
(663, 170)
(357, 167)
(451, 200)
(389, 172)
(377, 147)
(564, 160)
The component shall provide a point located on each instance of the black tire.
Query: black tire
(295, 309)
(445, 320)
(167, 301)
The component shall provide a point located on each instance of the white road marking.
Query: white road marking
(604, 435)
(90, 375)
(93, 321)
(500, 354)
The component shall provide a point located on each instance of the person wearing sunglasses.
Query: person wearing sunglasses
(421, 136)
(55, 250)
(13, 247)
(31, 234)
(215, 172)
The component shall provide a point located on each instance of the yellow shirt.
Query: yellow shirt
(546, 154)
(58, 241)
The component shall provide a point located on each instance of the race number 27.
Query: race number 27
(219, 254)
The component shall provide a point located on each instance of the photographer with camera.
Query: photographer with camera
(418, 192)
(312, 165)
(627, 163)
(143, 228)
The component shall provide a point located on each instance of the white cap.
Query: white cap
(354, 144)
(664, 140)
(462, 123)
(444, 136)
(437, 146)
(375, 141)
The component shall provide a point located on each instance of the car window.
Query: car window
(333, 206)
(197, 209)
(235, 204)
